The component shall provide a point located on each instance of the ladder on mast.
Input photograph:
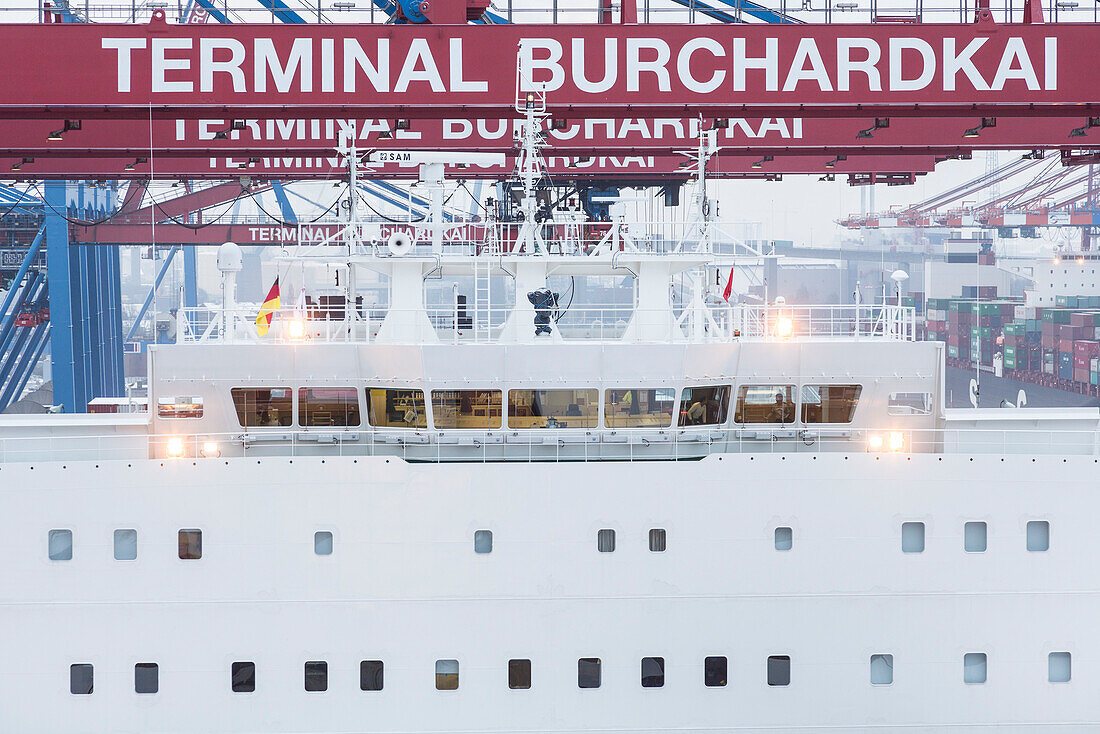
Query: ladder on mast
(482, 306)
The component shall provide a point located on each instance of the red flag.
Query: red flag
(729, 288)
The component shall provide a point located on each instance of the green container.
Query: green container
(952, 350)
(1057, 315)
(1010, 363)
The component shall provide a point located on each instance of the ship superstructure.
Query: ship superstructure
(693, 514)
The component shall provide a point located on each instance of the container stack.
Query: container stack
(1059, 345)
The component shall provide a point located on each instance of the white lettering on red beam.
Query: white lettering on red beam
(904, 65)
(458, 129)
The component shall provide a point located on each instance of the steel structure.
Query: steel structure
(261, 105)
(1036, 192)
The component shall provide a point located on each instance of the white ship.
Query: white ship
(689, 517)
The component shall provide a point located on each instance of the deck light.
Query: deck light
(174, 447)
(897, 440)
(211, 450)
(55, 135)
(880, 122)
(296, 328)
(874, 441)
(973, 132)
(784, 327)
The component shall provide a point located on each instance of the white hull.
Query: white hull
(405, 586)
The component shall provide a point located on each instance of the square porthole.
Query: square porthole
(243, 678)
(1038, 535)
(81, 679)
(125, 545)
(483, 541)
(974, 537)
(60, 545)
(779, 670)
(316, 676)
(322, 543)
(519, 674)
(446, 675)
(653, 672)
(1059, 666)
(146, 678)
(605, 541)
(974, 668)
(784, 539)
(588, 673)
(714, 671)
(657, 540)
(190, 544)
(912, 537)
(882, 669)
(371, 675)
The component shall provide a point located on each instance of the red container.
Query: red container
(1080, 375)
(1082, 318)
(1086, 348)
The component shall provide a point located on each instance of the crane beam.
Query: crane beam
(162, 71)
(588, 166)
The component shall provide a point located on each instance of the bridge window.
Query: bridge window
(829, 403)
(263, 406)
(1038, 535)
(714, 671)
(126, 544)
(190, 544)
(909, 403)
(328, 406)
(446, 675)
(467, 408)
(765, 404)
(146, 678)
(588, 673)
(396, 408)
(1058, 667)
(316, 676)
(483, 541)
(553, 408)
(912, 537)
(181, 406)
(243, 677)
(519, 674)
(634, 408)
(779, 670)
(653, 672)
(371, 675)
(974, 668)
(882, 669)
(80, 679)
(704, 406)
(61, 545)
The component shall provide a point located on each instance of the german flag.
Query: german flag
(267, 311)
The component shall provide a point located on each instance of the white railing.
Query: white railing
(598, 444)
(448, 324)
